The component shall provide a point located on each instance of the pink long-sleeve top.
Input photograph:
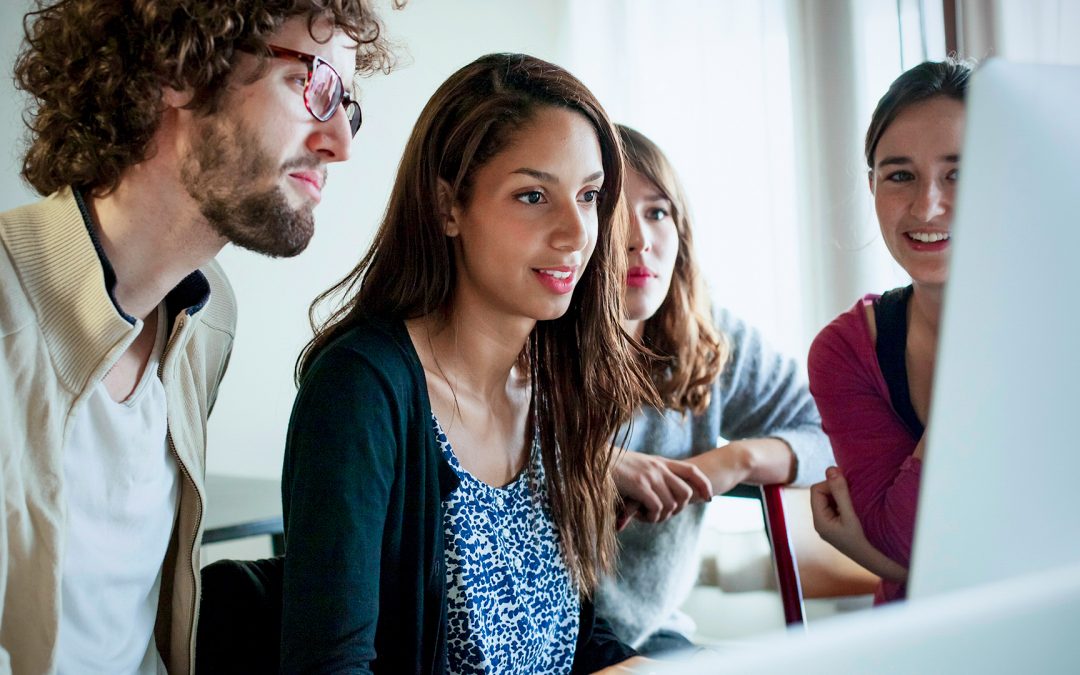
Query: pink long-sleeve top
(872, 445)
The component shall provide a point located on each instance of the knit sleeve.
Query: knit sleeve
(339, 467)
(873, 447)
(764, 394)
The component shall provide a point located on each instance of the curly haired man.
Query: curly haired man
(160, 131)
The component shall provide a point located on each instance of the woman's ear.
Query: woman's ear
(870, 179)
(448, 211)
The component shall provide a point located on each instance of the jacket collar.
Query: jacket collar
(70, 284)
(190, 295)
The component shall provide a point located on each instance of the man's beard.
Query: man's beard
(219, 174)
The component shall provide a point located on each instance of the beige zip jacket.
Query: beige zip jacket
(60, 332)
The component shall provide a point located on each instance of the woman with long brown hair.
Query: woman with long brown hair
(447, 492)
(718, 380)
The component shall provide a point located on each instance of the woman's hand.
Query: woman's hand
(834, 515)
(655, 488)
(836, 522)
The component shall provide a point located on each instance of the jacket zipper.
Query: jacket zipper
(187, 475)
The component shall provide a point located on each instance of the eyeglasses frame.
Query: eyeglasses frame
(312, 62)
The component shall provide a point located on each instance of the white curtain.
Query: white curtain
(846, 53)
(762, 107)
(1030, 31)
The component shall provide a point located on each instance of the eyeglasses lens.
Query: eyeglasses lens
(324, 91)
(352, 111)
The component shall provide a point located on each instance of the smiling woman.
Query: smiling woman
(914, 181)
(531, 217)
(448, 502)
(872, 367)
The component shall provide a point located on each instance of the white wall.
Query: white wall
(13, 191)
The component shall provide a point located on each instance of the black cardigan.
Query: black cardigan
(363, 483)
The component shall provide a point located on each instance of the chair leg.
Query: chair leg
(785, 566)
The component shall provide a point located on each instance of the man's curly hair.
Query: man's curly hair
(95, 70)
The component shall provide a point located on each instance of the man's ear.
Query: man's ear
(176, 98)
(870, 179)
(448, 210)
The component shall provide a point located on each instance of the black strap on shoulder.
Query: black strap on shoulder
(890, 316)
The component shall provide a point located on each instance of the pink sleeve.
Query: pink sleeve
(871, 444)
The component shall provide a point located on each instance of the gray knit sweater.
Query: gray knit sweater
(759, 394)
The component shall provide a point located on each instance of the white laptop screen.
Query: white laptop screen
(1000, 492)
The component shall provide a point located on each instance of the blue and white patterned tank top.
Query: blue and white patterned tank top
(511, 604)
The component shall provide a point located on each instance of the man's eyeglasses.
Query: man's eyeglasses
(324, 90)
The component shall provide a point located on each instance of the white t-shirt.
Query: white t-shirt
(121, 482)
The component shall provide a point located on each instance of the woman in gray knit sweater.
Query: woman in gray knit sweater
(718, 381)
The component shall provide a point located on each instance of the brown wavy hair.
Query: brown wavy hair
(691, 352)
(95, 72)
(584, 369)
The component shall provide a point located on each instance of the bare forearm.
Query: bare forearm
(762, 461)
(771, 461)
(877, 562)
